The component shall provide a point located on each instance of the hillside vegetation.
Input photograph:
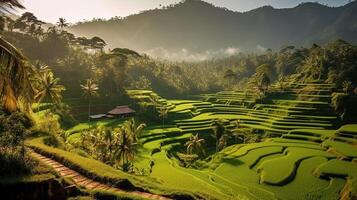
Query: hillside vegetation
(197, 26)
(280, 124)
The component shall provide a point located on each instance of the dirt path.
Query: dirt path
(88, 183)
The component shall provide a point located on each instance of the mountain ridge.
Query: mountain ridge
(199, 26)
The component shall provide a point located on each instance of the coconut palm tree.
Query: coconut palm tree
(219, 130)
(90, 89)
(195, 145)
(163, 113)
(62, 23)
(347, 86)
(107, 144)
(222, 143)
(125, 150)
(15, 73)
(240, 132)
(49, 87)
(134, 129)
(16, 76)
(243, 134)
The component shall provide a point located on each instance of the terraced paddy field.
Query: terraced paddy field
(307, 155)
(303, 159)
(273, 169)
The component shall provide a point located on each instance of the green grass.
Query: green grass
(89, 165)
(87, 125)
(351, 128)
(293, 166)
(286, 173)
(345, 149)
(339, 169)
(105, 173)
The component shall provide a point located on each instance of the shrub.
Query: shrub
(338, 102)
(14, 128)
(14, 164)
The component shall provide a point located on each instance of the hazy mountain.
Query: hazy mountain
(199, 28)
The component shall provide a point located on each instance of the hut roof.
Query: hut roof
(121, 110)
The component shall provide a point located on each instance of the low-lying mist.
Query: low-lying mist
(185, 54)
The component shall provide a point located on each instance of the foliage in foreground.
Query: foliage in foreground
(14, 128)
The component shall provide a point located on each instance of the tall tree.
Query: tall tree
(241, 133)
(114, 65)
(163, 113)
(90, 90)
(48, 87)
(125, 150)
(222, 143)
(347, 87)
(97, 43)
(62, 23)
(195, 145)
(134, 129)
(15, 78)
(15, 72)
(219, 130)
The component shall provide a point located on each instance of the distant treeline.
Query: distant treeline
(76, 59)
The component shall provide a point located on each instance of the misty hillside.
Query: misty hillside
(198, 26)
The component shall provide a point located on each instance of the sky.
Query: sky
(79, 10)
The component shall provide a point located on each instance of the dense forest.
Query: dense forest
(87, 58)
(83, 58)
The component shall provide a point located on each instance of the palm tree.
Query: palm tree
(163, 113)
(16, 75)
(108, 144)
(195, 144)
(134, 129)
(125, 149)
(240, 132)
(62, 23)
(243, 134)
(347, 86)
(90, 89)
(49, 87)
(15, 72)
(222, 143)
(219, 130)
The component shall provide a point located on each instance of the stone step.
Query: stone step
(86, 182)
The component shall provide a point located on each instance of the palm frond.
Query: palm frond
(16, 77)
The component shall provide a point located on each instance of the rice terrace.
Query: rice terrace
(178, 100)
